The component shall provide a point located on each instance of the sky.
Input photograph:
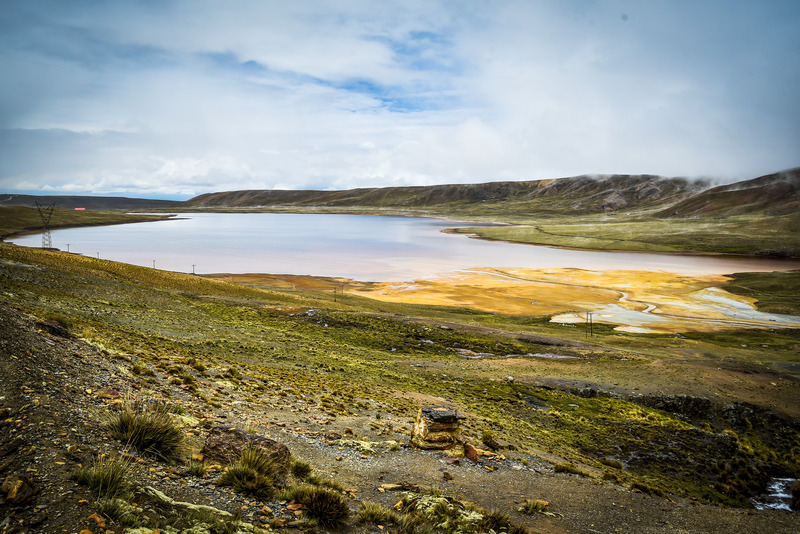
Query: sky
(173, 98)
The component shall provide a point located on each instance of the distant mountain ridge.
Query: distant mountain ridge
(772, 194)
(89, 202)
(580, 192)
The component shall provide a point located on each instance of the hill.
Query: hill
(609, 432)
(579, 194)
(618, 212)
(89, 202)
(773, 194)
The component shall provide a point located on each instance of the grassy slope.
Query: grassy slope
(16, 219)
(776, 292)
(746, 234)
(357, 356)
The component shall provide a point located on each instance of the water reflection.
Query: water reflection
(362, 247)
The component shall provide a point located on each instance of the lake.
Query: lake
(361, 247)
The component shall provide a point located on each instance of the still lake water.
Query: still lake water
(361, 247)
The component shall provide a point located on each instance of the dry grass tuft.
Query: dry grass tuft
(148, 429)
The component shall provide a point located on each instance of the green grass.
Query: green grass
(447, 514)
(746, 234)
(775, 292)
(16, 219)
(342, 361)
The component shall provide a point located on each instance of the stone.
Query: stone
(17, 490)
(99, 520)
(470, 452)
(225, 444)
(53, 328)
(165, 501)
(437, 428)
(108, 394)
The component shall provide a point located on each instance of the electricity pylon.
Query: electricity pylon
(46, 211)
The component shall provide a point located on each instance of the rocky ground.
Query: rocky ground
(55, 391)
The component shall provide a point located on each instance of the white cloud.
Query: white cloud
(186, 97)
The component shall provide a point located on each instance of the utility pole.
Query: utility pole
(193, 265)
(67, 248)
(45, 212)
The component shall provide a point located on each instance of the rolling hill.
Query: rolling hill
(773, 194)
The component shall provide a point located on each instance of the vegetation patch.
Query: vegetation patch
(326, 506)
(251, 474)
(107, 477)
(150, 429)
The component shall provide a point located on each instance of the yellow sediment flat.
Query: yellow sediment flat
(636, 301)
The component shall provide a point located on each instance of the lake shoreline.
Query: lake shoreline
(699, 253)
(451, 231)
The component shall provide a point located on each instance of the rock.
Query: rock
(437, 428)
(470, 452)
(53, 328)
(493, 444)
(108, 394)
(99, 520)
(226, 444)
(447, 476)
(16, 490)
(796, 496)
(178, 505)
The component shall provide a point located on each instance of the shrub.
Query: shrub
(120, 511)
(531, 507)
(197, 469)
(370, 512)
(62, 320)
(645, 488)
(251, 474)
(314, 480)
(107, 477)
(325, 506)
(569, 468)
(446, 514)
(611, 463)
(300, 469)
(495, 521)
(141, 370)
(150, 430)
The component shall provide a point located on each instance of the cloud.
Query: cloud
(185, 97)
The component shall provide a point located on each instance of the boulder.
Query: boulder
(437, 428)
(225, 444)
(470, 452)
